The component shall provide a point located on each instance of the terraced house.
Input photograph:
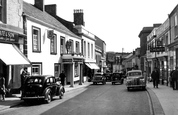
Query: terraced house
(51, 46)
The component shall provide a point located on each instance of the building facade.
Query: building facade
(173, 46)
(51, 46)
(143, 45)
(13, 43)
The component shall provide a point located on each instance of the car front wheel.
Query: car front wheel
(48, 97)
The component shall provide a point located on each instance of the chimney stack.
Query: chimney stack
(39, 4)
(78, 17)
(51, 9)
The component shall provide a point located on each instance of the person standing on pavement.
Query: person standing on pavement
(62, 76)
(155, 77)
(24, 75)
(2, 88)
(171, 77)
(174, 79)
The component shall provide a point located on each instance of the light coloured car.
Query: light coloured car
(135, 79)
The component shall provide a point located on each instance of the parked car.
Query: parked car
(42, 87)
(99, 78)
(135, 79)
(108, 76)
(117, 77)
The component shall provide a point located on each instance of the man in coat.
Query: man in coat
(62, 76)
(171, 83)
(174, 79)
(155, 77)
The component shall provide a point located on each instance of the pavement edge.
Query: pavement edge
(155, 104)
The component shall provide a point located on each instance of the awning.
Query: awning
(11, 55)
(92, 65)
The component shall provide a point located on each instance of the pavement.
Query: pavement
(163, 100)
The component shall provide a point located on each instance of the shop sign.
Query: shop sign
(67, 60)
(8, 36)
(77, 60)
(157, 49)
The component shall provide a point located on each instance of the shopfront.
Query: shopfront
(12, 58)
(73, 67)
(90, 68)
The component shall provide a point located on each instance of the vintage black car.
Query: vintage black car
(99, 78)
(42, 87)
(135, 79)
(108, 77)
(117, 77)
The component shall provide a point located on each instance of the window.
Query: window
(175, 20)
(53, 46)
(2, 10)
(88, 50)
(57, 67)
(34, 81)
(84, 48)
(36, 39)
(36, 68)
(77, 47)
(72, 46)
(92, 51)
(62, 46)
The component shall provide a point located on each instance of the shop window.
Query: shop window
(36, 68)
(77, 47)
(62, 46)
(57, 71)
(76, 69)
(53, 45)
(36, 39)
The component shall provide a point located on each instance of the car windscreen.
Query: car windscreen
(98, 75)
(34, 80)
(134, 74)
(116, 74)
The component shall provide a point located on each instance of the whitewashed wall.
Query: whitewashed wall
(45, 57)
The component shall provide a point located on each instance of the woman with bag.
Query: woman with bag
(2, 88)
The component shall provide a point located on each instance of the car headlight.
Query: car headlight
(142, 80)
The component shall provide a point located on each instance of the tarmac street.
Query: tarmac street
(164, 99)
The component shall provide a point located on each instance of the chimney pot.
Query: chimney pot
(51, 9)
(39, 4)
(78, 17)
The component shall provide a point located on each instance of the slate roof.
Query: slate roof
(43, 16)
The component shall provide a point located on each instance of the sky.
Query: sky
(117, 22)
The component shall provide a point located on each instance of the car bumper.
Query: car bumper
(38, 97)
(136, 86)
(97, 81)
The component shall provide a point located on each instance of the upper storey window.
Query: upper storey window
(36, 39)
(2, 10)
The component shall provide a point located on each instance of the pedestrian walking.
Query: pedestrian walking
(24, 75)
(62, 76)
(174, 79)
(155, 77)
(171, 77)
(2, 88)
